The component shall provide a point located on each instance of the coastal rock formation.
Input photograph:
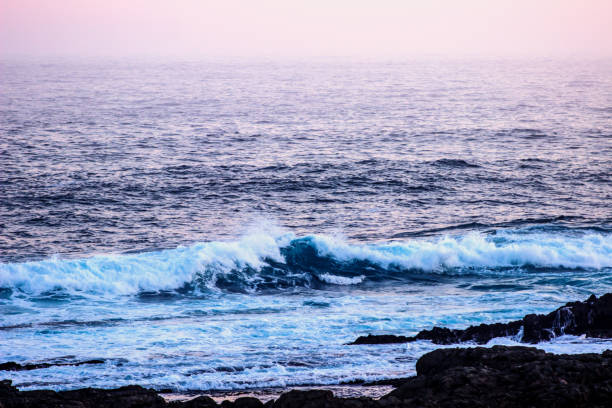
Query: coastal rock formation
(13, 366)
(592, 318)
(132, 396)
(508, 377)
(499, 377)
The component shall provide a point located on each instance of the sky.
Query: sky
(310, 28)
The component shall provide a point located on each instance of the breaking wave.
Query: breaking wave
(262, 261)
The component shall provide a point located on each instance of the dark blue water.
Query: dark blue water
(230, 224)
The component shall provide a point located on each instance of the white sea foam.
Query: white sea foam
(477, 250)
(204, 263)
(341, 280)
(149, 271)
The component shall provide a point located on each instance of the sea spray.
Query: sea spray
(262, 260)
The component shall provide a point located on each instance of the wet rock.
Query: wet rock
(304, 399)
(13, 366)
(248, 402)
(508, 377)
(499, 377)
(321, 399)
(381, 339)
(243, 402)
(198, 402)
(132, 396)
(592, 318)
(497, 357)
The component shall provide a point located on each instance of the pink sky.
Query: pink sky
(387, 28)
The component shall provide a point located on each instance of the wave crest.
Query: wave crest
(264, 261)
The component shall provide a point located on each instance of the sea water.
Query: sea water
(231, 225)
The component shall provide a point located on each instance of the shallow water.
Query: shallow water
(231, 225)
(267, 394)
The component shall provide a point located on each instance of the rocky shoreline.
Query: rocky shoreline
(499, 376)
(592, 318)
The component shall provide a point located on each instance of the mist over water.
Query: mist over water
(230, 225)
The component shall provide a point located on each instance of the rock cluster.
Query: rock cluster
(130, 396)
(497, 377)
(13, 366)
(508, 377)
(592, 318)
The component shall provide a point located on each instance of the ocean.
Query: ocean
(232, 224)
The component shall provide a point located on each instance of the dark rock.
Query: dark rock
(129, 396)
(304, 399)
(593, 318)
(499, 377)
(381, 339)
(508, 377)
(12, 366)
(243, 402)
(248, 402)
(321, 399)
(440, 360)
(132, 396)
(198, 402)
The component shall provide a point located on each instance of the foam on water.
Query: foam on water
(341, 280)
(282, 260)
(362, 363)
(149, 271)
(476, 250)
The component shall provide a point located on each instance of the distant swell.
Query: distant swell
(264, 261)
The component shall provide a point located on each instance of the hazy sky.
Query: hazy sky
(389, 28)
